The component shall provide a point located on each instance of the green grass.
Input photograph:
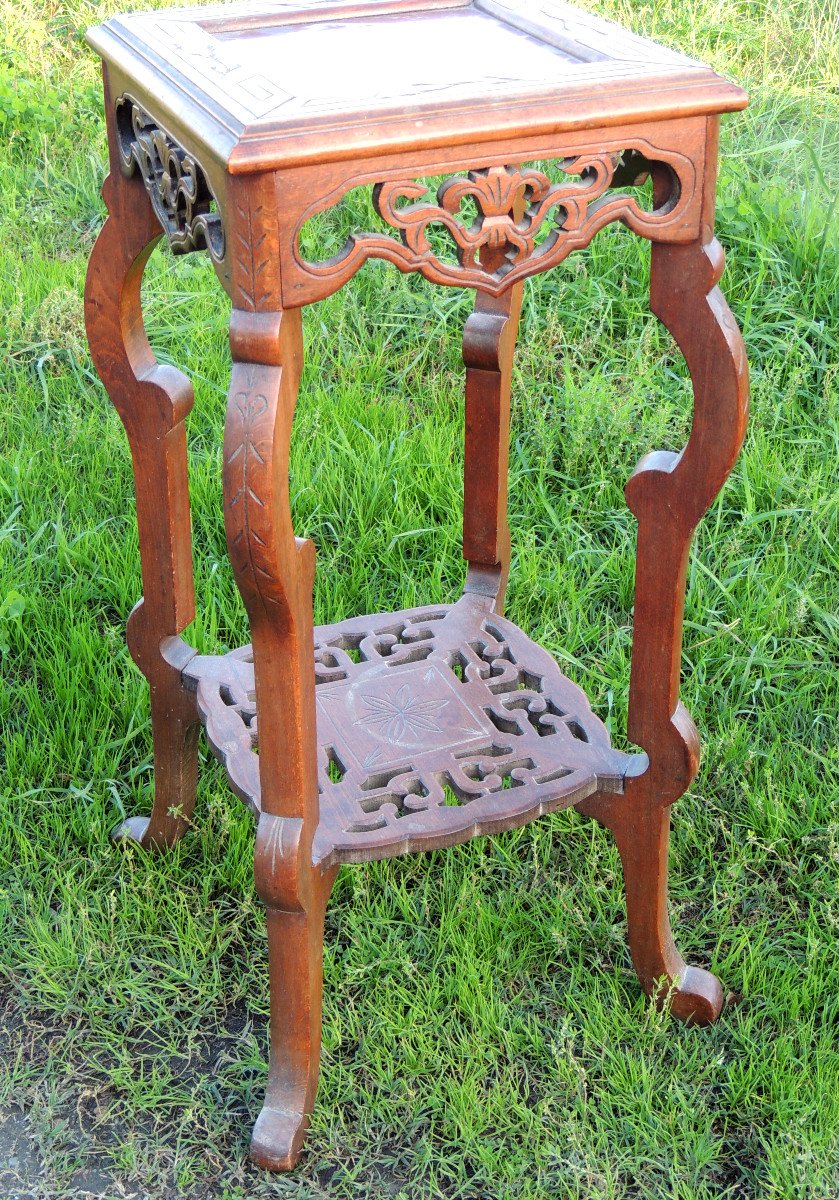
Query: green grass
(484, 1035)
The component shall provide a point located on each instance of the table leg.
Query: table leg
(669, 493)
(489, 339)
(295, 960)
(274, 571)
(153, 401)
(275, 574)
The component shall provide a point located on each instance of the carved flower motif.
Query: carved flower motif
(401, 716)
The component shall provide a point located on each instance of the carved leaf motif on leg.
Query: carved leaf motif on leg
(247, 466)
(249, 239)
(274, 572)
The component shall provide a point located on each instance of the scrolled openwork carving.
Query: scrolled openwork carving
(505, 223)
(432, 725)
(178, 188)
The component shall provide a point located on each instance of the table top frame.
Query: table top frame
(189, 66)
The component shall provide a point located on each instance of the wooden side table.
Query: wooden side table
(229, 129)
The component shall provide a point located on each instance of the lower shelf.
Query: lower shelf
(433, 725)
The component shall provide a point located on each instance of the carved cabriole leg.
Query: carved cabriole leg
(669, 493)
(489, 340)
(153, 401)
(275, 574)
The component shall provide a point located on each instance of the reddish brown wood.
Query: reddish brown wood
(229, 129)
(669, 493)
(261, 94)
(275, 574)
(569, 212)
(153, 401)
(488, 343)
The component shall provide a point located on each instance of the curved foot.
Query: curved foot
(133, 829)
(643, 836)
(642, 831)
(278, 1138)
(695, 998)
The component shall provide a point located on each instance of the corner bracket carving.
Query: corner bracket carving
(183, 201)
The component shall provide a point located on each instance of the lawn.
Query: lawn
(484, 1033)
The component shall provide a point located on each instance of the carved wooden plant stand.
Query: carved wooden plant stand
(229, 129)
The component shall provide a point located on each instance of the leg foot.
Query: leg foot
(696, 998)
(295, 958)
(642, 831)
(278, 1138)
(175, 783)
(175, 732)
(133, 829)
